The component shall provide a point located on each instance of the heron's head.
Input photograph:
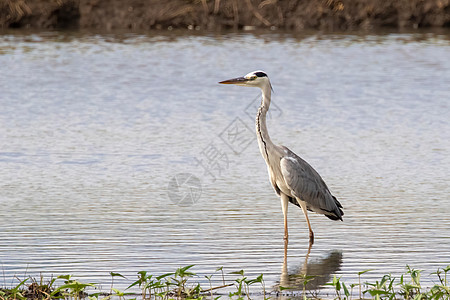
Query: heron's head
(254, 79)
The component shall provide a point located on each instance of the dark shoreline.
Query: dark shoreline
(214, 15)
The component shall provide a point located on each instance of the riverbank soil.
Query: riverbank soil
(294, 15)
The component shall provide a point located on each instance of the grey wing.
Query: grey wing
(306, 185)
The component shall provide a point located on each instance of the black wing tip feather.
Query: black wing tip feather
(337, 214)
(338, 203)
(333, 215)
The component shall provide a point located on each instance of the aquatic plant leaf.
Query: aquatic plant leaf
(282, 288)
(241, 272)
(20, 284)
(74, 286)
(375, 292)
(142, 273)
(336, 283)
(120, 293)
(384, 280)
(164, 276)
(116, 275)
(365, 271)
(258, 279)
(133, 284)
(182, 272)
(346, 292)
(66, 277)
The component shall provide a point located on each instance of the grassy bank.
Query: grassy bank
(293, 15)
(183, 284)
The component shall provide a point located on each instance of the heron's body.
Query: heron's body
(292, 178)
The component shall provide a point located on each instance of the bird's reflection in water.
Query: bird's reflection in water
(311, 275)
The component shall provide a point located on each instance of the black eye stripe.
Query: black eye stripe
(260, 74)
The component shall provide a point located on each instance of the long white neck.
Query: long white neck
(264, 141)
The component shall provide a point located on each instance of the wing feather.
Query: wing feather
(307, 185)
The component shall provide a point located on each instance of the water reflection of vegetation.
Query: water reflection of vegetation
(181, 285)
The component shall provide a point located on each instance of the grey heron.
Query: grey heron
(292, 178)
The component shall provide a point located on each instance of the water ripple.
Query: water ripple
(93, 127)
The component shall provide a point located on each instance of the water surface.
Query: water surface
(96, 129)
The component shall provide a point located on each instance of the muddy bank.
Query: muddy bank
(295, 15)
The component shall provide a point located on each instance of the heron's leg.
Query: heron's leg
(305, 212)
(284, 207)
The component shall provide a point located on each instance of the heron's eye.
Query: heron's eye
(253, 77)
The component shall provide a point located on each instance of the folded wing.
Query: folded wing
(306, 185)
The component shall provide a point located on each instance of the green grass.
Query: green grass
(182, 284)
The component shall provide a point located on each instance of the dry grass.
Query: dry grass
(225, 14)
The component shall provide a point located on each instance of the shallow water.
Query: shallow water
(120, 152)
